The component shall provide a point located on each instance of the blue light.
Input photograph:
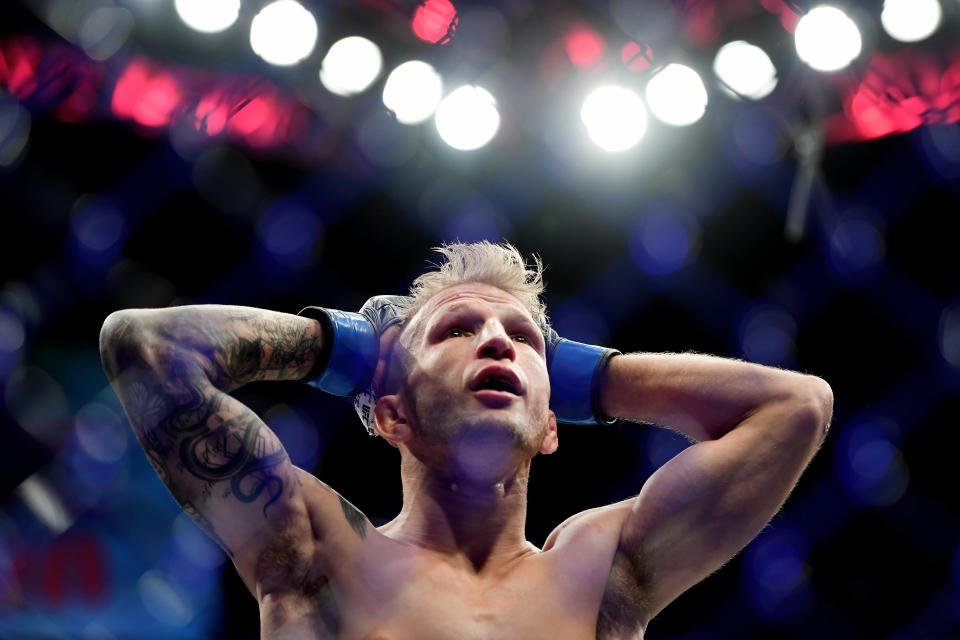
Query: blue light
(289, 232)
(99, 230)
(767, 336)
(857, 244)
(869, 465)
(775, 575)
(755, 137)
(941, 144)
(659, 243)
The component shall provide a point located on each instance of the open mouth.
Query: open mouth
(496, 382)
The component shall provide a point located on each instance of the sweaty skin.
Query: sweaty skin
(455, 562)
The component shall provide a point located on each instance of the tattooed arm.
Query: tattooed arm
(172, 370)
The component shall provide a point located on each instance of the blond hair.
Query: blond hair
(499, 265)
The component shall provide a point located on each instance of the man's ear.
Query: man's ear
(390, 421)
(550, 439)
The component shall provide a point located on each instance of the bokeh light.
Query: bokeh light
(350, 66)
(857, 243)
(12, 340)
(435, 21)
(827, 39)
(194, 545)
(746, 69)
(208, 16)
(289, 232)
(412, 91)
(868, 462)
(950, 335)
(756, 138)
(163, 600)
(468, 118)
(101, 432)
(39, 405)
(768, 336)
(676, 95)
(776, 575)
(584, 46)
(663, 241)
(98, 228)
(283, 33)
(14, 131)
(104, 31)
(615, 118)
(911, 20)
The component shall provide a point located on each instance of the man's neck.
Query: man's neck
(478, 524)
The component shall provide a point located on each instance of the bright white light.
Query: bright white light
(208, 16)
(350, 66)
(676, 95)
(827, 39)
(468, 118)
(746, 69)
(413, 91)
(911, 20)
(615, 118)
(283, 33)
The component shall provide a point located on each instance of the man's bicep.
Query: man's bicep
(703, 506)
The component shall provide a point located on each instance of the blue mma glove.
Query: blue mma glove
(351, 350)
(576, 371)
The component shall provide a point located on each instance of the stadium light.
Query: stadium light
(827, 39)
(413, 91)
(468, 119)
(615, 118)
(283, 33)
(676, 95)
(746, 69)
(911, 20)
(350, 66)
(208, 16)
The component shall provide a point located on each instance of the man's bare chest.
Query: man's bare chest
(395, 597)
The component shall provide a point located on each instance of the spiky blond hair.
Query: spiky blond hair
(499, 265)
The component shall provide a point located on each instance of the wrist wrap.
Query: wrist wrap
(353, 347)
(576, 372)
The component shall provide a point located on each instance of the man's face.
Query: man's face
(476, 387)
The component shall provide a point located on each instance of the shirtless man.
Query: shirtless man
(463, 390)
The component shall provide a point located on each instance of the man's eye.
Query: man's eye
(521, 338)
(454, 332)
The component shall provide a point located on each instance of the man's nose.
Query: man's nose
(495, 343)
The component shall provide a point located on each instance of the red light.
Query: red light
(435, 21)
(636, 58)
(584, 46)
(148, 98)
(19, 60)
(210, 116)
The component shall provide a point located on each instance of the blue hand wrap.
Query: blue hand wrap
(353, 354)
(575, 372)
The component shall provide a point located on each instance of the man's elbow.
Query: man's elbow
(116, 339)
(814, 412)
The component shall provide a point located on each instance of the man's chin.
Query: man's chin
(485, 448)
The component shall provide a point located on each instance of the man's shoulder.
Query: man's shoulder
(593, 526)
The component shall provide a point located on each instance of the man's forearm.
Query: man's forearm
(704, 396)
(233, 345)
